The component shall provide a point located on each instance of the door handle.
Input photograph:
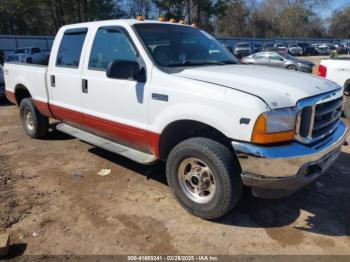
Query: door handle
(85, 88)
(53, 81)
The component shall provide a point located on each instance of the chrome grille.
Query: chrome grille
(318, 116)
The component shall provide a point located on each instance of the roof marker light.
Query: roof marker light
(161, 19)
(182, 22)
(172, 20)
(140, 18)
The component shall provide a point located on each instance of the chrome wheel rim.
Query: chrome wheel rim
(196, 180)
(28, 118)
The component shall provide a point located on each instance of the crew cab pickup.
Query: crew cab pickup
(338, 70)
(150, 91)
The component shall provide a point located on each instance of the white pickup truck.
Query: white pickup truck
(338, 70)
(151, 91)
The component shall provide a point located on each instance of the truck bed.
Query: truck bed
(33, 77)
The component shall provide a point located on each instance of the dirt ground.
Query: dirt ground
(53, 202)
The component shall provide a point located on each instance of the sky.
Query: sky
(333, 5)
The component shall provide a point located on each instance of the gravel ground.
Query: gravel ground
(53, 202)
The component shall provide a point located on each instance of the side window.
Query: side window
(70, 49)
(35, 50)
(260, 56)
(274, 57)
(110, 44)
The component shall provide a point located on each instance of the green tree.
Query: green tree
(340, 24)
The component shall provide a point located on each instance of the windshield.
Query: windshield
(175, 45)
(22, 51)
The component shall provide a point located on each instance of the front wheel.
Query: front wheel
(346, 107)
(34, 123)
(204, 177)
(292, 67)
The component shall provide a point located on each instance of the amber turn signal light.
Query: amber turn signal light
(260, 135)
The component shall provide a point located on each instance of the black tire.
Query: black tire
(29, 61)
(346, 107)
(224, 167)
(38, 125)
(292, 67)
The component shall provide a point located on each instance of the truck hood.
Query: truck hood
(278, 88)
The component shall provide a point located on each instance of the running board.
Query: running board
(135, 155)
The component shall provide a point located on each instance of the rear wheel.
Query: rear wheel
(204, 177)
(34, 123)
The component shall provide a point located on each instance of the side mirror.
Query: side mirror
(124, 69)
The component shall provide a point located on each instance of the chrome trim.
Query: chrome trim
(287, 159)
(313, 102)
(312, 124)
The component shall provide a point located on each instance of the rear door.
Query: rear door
(261, 59)
(64, 76)
(114, 108)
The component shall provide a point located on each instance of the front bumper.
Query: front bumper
(278, 171)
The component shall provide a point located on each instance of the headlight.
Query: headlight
(275, 126)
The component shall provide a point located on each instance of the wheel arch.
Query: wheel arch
(21, 92)
(180, 130)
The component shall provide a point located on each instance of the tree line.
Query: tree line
(250, 18)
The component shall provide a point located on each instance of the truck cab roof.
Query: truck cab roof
(123, 22)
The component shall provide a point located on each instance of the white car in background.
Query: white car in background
(30, 55)
(338, 70)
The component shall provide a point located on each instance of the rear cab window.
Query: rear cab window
(69, 52)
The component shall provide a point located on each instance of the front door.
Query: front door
(114, 108)
(276, 60)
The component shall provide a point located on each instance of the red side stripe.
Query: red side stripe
(43, 108)
(131, 136)
(11, 97)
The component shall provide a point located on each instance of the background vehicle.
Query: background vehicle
(308, 49)
(151, 90)
(242, 49)
(295, 50)
(257, 48)
(323, 49)
(30, 55)
(342, 49)
(2, 82)
(280, 60)
(338, 70)
(2, 57)
(269, 47)
(281, 47)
